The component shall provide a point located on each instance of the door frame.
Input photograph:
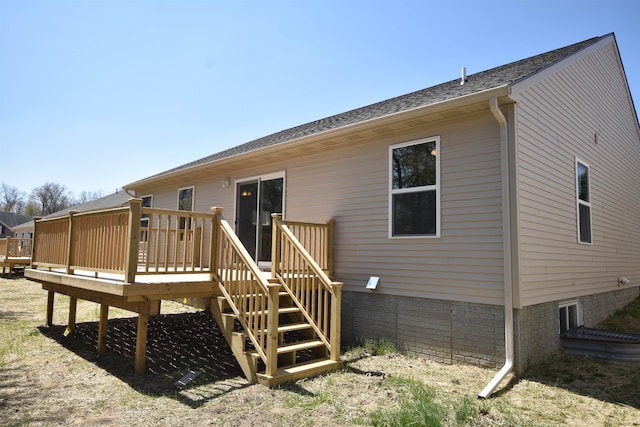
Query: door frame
(262, 177)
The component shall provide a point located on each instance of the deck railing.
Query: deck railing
(249, 294)
(128, 240)
(317, 239)
(317, 296)
(174, 241)
(133, 240)
(13, 247)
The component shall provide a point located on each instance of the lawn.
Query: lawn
(47, 378)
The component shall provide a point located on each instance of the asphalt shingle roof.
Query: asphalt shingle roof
(11, 219)
(503, 75)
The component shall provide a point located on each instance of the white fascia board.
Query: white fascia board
(527, 82)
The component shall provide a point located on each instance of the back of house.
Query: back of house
(477, 211)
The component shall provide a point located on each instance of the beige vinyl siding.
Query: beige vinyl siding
(351, 185)
(560, 118)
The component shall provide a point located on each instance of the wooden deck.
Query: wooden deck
(290, 316)
(14, 252)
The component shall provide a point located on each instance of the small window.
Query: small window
(415, 189)
(570, 316)
(185, 203)
(583, 202)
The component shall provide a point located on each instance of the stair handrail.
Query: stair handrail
(260, 323)
(326, 324)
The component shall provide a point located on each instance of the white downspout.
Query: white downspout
(506, 232)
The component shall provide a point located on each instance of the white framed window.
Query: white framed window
(185, 203)
(583, 202)
(147, 202)
(570, 313)
(414, 188)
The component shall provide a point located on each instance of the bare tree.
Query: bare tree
(52, 197)
(87, 196)
(11, 199)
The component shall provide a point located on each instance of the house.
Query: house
(516, 187)
(13, 252)
(474, 220)
(9, 220)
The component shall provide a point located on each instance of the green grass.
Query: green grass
(626, 319)
(421, 405)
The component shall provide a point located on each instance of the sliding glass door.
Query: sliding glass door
(257, 199)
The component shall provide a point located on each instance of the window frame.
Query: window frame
(183, 223)
(435, 187)
(580, 202)
(579, 315)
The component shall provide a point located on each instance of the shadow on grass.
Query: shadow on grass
(176, 345)
(606, 380)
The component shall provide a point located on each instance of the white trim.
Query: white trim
(579, 312)
(265, 177)
(582, 202)
(150, 196)
(522, 85)
(435, 188)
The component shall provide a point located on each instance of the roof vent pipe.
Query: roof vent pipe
(464, 76)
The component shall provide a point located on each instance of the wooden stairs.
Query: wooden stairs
(300, 352)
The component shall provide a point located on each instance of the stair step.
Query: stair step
(281, 310)
(298, 371)
(281, 294)
(294, 327)
(300, 345)
(289, 348)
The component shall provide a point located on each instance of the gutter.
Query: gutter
(506, 233)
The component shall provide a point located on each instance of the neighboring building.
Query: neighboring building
(9, 221)
(487, 208)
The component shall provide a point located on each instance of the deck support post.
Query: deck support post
(141, 338)
(50, 299)
(73, 305)
(271, 366)
(336, 310)
(102, 328)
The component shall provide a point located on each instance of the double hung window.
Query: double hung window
(414, 205)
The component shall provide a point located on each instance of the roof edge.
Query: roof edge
(499, 91)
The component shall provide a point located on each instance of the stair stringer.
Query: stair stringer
(236, 340)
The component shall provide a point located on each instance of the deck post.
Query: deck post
(271, 365)
(329, 249)
(336, 310)
(70, 243)
(34, 240)
(133, 243)
(215, 237)
(141, 337)
(71, 326)
(276, 241)
(102, 328)
(50, 298)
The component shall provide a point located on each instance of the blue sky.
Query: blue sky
(97, 94)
